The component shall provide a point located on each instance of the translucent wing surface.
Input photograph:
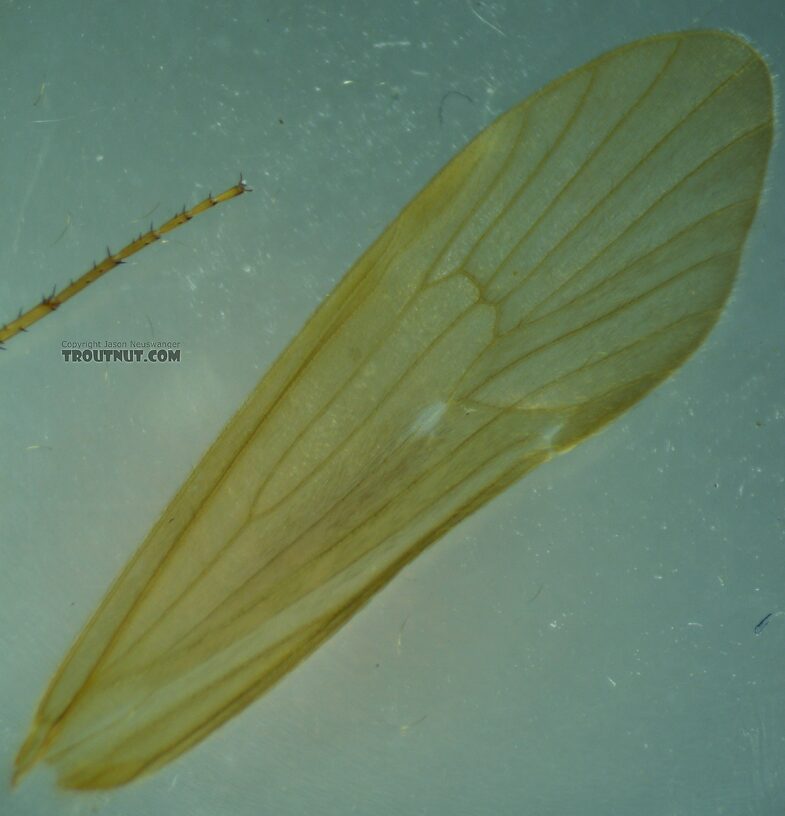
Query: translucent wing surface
(556, 270)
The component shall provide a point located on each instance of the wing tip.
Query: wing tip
(27, 757)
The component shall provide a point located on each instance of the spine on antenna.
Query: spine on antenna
(53, 301)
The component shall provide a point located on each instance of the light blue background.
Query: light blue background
(632, 683)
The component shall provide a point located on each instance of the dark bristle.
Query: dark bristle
(99, 268)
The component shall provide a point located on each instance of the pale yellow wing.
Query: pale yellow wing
(555, 271)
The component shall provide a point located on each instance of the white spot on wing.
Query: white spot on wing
(428, 419)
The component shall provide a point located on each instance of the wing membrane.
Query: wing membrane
(563, 264)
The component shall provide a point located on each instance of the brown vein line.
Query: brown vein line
(426, 273)
(349, 380)
(602, 201)
(639, 298)
(692, 317)
(376, 408)
(336, 544)
(585, 163)
(621, 236)
(324, 627)
(256, 687)
(546, 156)
(55, 756)
(332, 621)
(483, 199)
(407, 489)
(421, 288)
(745, 202)
(329, 624)
(331, 509)
(312, 475)
(283, 390)
(374, 514)
(372, 350)
(386, 259)
(656, 203)
(411, 487)
(195, 515)
(578, 298)
(249, 440)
